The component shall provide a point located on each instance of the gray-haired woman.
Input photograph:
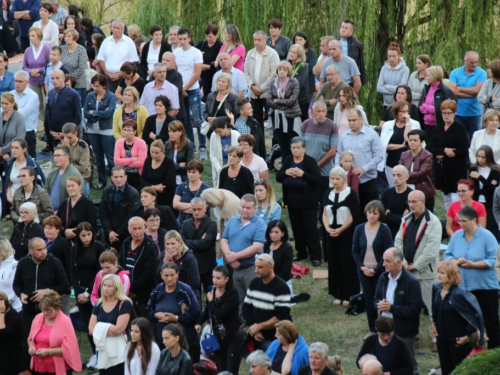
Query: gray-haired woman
(27, 228)
(259, 363)
(340, 217)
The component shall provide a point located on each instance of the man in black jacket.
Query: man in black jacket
(37, 273)
(139, 255)
(398, 296)
(119, 203)
(352, 47)
(199, 233)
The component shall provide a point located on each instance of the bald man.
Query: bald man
(372, 367)
(267, 302)
(349, 71)
(419, 238)
(139, 255)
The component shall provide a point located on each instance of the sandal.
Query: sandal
(336, 302)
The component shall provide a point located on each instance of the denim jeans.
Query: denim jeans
(192, 102)
(471, 123)
(103, 145)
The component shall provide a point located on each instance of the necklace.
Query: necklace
(129, 147)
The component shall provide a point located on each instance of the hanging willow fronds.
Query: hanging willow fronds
(443, 29)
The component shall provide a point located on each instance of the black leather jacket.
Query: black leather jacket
(180, 365)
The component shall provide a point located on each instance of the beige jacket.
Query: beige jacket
(270, 61)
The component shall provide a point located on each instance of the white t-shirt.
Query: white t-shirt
(257, 166)
(186, 59)
(114, 54)
(153, 55)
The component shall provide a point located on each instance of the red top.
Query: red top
(455, 207)
(42, 341)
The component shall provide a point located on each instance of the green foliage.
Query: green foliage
(443, 29)
(483, 363)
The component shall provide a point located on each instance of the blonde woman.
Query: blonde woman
(110, 317)
(131, 109)
(267, 208)
(300, 71)
(177, 252)
(221, 100)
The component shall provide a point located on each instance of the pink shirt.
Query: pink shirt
(42, 341)
(455, 207)
(427, 107)
(240, 51)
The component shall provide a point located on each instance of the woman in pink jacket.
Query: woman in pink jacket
(52, 342)
(131, 152)
(109, 265)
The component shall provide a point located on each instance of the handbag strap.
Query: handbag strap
(209, 312)
(67, 213)
(220, 105)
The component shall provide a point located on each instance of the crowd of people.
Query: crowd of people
(142, 264)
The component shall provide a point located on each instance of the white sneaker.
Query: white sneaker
(203, 154)
(92, 362)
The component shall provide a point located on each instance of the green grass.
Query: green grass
(317, 319)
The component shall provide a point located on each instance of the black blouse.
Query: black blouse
(225, 311)
(164, 174)
(240, 185)
(83, 269)
(283, 259)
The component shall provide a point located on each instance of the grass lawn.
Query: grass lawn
(317, 319)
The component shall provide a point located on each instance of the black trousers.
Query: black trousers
(451, 354)
(488, 300)
(31, 141)
(206, 281)
(368, 192)
(228, 358)
(305, 231)
(46, 128)
(284, 140)
(259, 107)
(369, 285)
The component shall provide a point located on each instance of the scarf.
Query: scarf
(281, 86)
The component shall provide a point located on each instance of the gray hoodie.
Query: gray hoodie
(392, 78)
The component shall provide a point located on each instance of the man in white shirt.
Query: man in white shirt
(160, 86)
(238, 78)
(260, 70)
(189, 64)
(115, 50)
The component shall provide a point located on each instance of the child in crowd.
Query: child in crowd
(347, 162)
(54, 64)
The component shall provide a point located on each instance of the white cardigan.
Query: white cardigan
(110, 349)
(477, 141)
(135, 363)
(50, 33)
(385, 137)
(216, 154)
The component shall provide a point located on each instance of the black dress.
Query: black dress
(11, 344)
(283, 259)
(209, 56)
(449, 170)
(486, 187)
(165, 175)
(83, 210)
(150, 127)
(240, 185)
(343, 279)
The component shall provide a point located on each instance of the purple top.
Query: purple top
(30, 63)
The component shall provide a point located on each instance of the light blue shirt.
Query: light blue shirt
(27, 104)
(239, 80)
(468, 107)
(264, 214)
(483, 246)
(391, 289)
(345, 47)
(241, 236)
(366, 148)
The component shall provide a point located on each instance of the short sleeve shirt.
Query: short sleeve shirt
(112, 316)
(257, 166)
(455, 207)
(346, 65)
(114, 54)
(468, 107)
(186, 60)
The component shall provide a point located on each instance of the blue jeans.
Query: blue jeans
(103, 145)
(83, 95)
(471, 123)
(192, 102)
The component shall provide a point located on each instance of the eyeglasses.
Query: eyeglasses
(447, 113)
(260, 181)
(413, 202)
(261, 257)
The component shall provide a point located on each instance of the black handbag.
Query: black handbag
(356, 304)
(210, 343)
